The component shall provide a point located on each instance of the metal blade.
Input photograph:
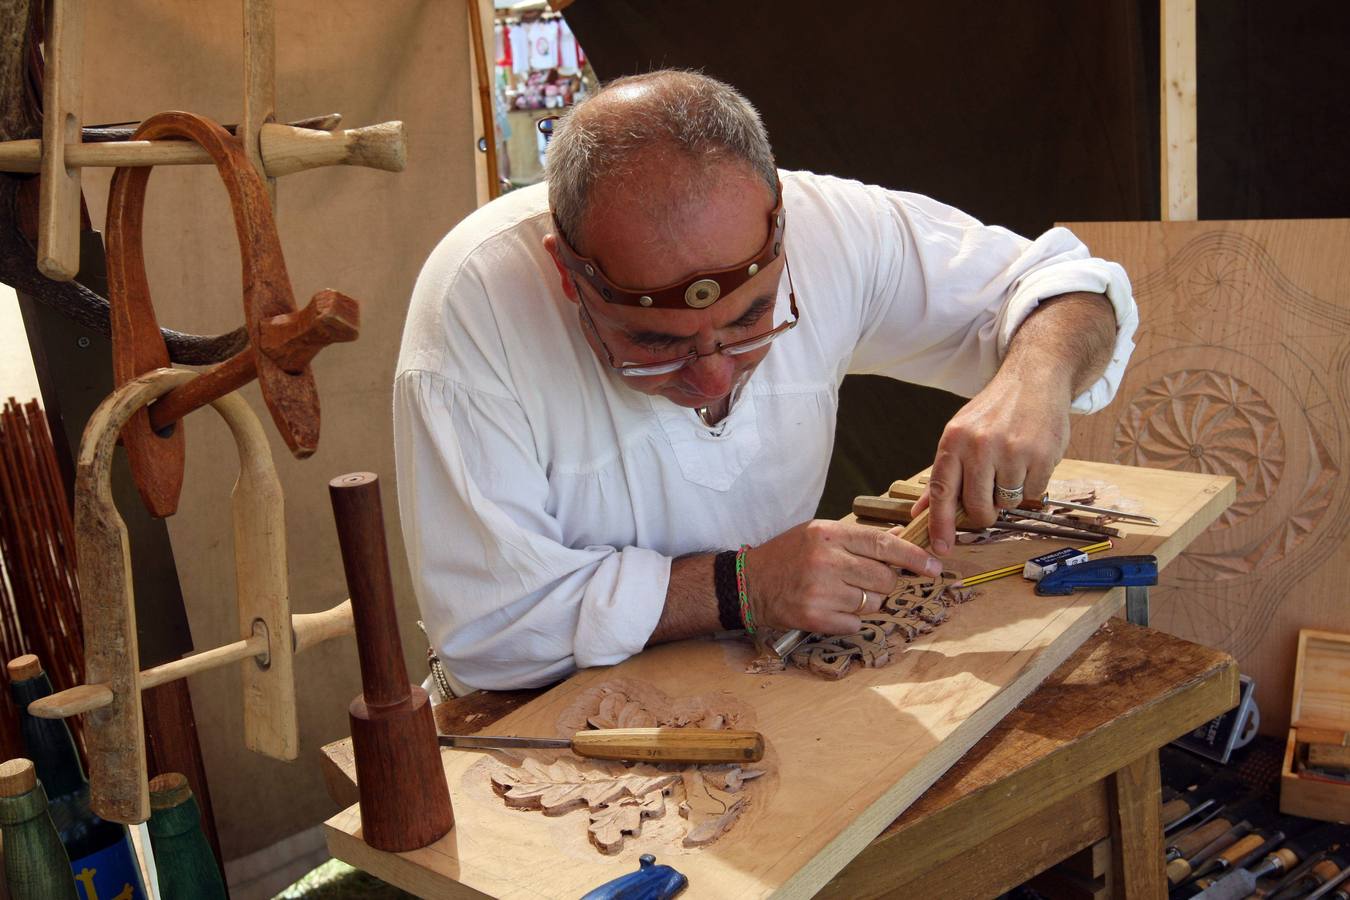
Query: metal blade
(492, 742)
(1102, 510)
(1061, 521)
(1230, 887)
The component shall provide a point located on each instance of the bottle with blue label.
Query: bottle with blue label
(101, 856)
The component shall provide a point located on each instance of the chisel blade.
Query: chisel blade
(493, 742)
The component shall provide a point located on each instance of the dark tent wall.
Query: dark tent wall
(1021, 114)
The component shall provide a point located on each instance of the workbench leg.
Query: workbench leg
(1135, 795)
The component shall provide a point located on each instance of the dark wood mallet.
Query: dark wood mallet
(405, 802)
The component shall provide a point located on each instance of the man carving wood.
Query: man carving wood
(610, 383)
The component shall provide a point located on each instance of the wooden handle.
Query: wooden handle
(682, 745)
(315, 628)
(1241, 848)
(365, 559)
(287, 149)
(1174, 809)
(1189, 844)
(1178, 870)
(884, 509)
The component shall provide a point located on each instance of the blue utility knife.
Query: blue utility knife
(1102, 573)
(649, 882)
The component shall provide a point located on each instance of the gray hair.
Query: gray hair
(688, 113)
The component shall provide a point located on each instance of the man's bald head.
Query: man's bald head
(663, 140)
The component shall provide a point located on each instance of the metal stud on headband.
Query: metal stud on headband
(698, 291)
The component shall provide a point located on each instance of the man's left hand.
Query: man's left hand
(1013, 433)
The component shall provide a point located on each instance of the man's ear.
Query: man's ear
(568, 285)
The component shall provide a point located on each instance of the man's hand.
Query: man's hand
(813, 576)
(1014, 432)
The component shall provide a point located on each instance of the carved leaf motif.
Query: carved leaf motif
(710, 810)
(566, 784)
(611, 824)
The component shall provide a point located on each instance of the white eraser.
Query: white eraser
(1040, 566)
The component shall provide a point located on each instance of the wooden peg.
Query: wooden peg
(286, 149)
(405, 803)
(58, 254)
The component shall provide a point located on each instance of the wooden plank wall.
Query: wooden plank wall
(1242, 368)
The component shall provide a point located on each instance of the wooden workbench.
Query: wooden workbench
(1075, 765)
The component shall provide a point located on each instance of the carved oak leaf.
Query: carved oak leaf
(566, 784)
(611, 824)
(710, 811)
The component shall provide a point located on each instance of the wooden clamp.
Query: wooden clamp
(58, 253)
(282, 340)
(269, 636)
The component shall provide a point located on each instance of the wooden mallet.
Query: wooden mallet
(405, 802)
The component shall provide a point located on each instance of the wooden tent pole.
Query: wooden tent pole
(476, 40)
(1180, 170)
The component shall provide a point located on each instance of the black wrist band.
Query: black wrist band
(724, 584)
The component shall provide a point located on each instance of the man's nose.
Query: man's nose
(710, 375)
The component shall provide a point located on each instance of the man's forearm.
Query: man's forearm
(691, 603)
(1069, 336)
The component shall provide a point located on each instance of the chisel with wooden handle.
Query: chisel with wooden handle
(655, 745)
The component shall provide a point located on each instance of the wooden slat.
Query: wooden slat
(1125, 691)
(58, 255)
(260, 85)
(1239, 368)
(1180, 169)
(1010, 857)
(1135, 795)
(888, 735)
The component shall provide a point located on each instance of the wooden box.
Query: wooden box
(1320, 715)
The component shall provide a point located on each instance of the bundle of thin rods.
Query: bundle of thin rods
(39, 595)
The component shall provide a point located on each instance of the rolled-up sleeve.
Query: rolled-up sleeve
(506, 604)
(947, 293)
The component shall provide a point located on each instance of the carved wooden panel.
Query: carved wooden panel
(1241, 368)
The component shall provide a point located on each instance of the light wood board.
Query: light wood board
(844, 758)
(1241, 369)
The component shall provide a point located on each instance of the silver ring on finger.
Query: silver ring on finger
(1007, 496)
(862, 604)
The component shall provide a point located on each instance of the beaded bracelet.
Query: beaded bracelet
(724, 586)
(742, 592)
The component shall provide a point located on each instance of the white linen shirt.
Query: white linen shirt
(542, 499)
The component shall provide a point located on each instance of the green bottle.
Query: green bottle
(187, 867)
(101, 856)
(36, 864)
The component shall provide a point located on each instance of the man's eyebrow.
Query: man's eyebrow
(749, 317)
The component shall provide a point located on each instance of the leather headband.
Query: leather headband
(700, 290)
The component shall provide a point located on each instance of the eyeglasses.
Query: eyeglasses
(665, 367)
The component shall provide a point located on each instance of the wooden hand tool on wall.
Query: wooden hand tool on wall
(282, 341)
(269, 636)
(405, 802)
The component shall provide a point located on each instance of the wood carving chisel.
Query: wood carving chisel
(1242, 882)
(1007, 515)
(1249, 847)
(1331, 885)
(1048, 501)
(1182, 870)
(656, 745)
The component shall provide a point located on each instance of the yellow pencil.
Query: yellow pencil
(1014, 569)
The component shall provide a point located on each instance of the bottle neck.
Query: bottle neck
(48, 741)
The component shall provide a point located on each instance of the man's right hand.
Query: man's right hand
(813, 576)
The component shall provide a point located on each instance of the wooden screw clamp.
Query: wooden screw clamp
(269, 636)
(282, 340)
